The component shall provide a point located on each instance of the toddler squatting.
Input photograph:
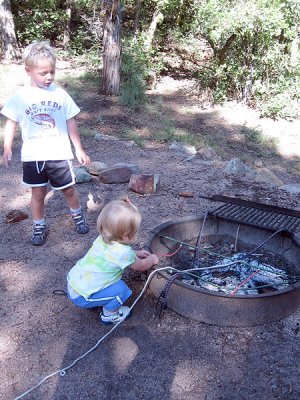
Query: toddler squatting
(96, 279)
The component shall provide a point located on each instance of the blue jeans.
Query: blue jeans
(111, 297)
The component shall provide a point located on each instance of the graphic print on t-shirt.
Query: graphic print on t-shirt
(41, 114)
(44, 119)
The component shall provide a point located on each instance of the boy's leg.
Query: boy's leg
(72, 198)
(37, 204)
(62, 177)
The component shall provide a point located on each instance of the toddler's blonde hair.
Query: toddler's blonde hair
(37, 51)
(118, 221)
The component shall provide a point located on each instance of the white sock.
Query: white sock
(39, 221)
(75, 212)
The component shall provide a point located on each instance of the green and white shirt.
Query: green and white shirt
(102, 266)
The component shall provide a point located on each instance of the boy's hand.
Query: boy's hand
(6, 159)
(9, 133)
(82, 157)
(142, 253)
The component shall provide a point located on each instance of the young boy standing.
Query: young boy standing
(46, 114)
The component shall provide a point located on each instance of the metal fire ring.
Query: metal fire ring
(219, 308)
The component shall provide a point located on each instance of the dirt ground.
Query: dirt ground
(172, 358)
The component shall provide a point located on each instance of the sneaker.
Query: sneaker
(122, 313)
(81, 225)
(39, 233)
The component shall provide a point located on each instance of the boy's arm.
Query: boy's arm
(9, 134)
(81, 155)
(143, 264)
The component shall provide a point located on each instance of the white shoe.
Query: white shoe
(122, 313)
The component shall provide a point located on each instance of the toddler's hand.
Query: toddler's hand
(154, 258)
(142, 253)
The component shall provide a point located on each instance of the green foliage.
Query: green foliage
(253, 135)
(129, 134)
(138, 66)
(252, 45)
(36, 20)
(47, 19)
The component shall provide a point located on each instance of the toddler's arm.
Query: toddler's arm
(81, 155)
(142, 264)
(9, 134)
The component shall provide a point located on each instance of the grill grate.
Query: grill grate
(256, 214)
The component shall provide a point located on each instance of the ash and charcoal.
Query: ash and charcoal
(223, 269)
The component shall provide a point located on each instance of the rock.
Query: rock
(183, 150)
(130, 144)
(95, 167)
(82, 176)
(15, 216)
(258, 163)
(266, 176)
(101, 136)
(208, 153)
(293, 188)
(144, 183)
(186, 194)
(236, 167)
(118, 173)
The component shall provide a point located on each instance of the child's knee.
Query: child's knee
(39, 194)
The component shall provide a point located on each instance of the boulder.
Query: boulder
(118, 173)
(95, 167)
(82, 176)
(144, 183)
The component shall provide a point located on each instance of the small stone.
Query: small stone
(267, 176)
(291, 188)
(208, 153)
(100, 136)
(186, 194)
(258, 163)
(236, 167)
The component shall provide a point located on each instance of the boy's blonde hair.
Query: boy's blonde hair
(37, 51)
(118, 221)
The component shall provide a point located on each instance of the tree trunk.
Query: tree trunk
(156, 19)
(10, 48)
(68, 11)
(111, 47)
(136, 27)
(295, 49)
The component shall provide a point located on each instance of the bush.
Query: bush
(137, 68)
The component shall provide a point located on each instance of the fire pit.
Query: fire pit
(238, 306)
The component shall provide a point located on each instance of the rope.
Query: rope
(62, 372)
(170, 254)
